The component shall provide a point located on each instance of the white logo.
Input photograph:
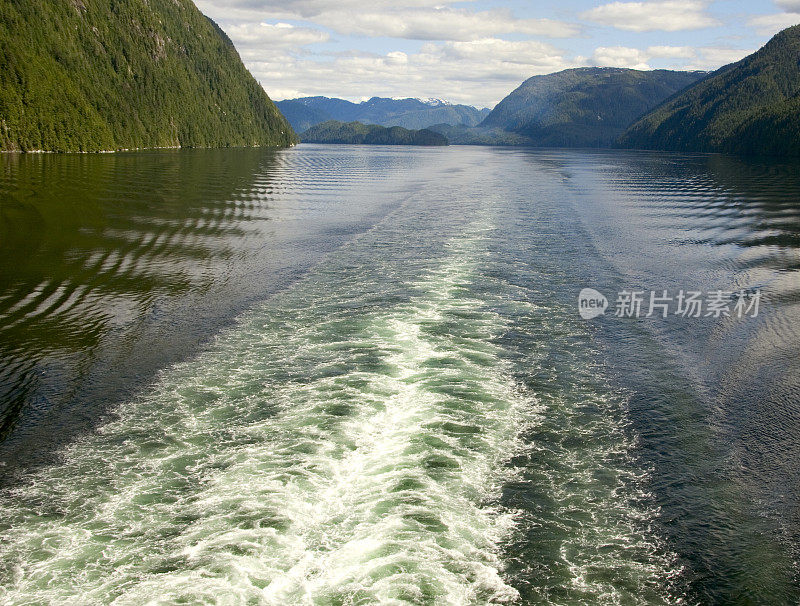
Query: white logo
(591, 303)
(716, 304)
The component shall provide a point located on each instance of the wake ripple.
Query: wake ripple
(324, 451)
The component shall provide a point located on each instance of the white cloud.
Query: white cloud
(671, 52)
(620, 56)
(769, 25)
(441, 24)
(703, 58)
(530, 53)
(724, 56)
(312, 8)
(790, 6)
(711, 58)
(409, 19)
(663, 15)
(479, 72)
(464, 57)
(634, 58)
(266, 35)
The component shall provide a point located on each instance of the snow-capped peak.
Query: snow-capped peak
(433, 102)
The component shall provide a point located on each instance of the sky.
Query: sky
(476, 52)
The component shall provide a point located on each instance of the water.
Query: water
(114, 267)
(341, 375)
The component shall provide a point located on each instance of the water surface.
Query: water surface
(338, 375)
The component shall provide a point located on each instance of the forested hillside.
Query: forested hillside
(370, 134)
(89, 75)
(749, 107)
(585, 107)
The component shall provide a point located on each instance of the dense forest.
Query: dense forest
(749, 107)
(584, 107)
(356, 133)
(475, 135)
(90, 75)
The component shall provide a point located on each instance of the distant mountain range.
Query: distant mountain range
(104, 75)
(749, 107)
(584, 107)
(305, 112)
(357, 133)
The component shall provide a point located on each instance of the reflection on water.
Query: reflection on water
(715, 401)
(113, 266)
(408, 406)
(86, 245)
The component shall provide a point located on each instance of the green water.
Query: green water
(370, 384)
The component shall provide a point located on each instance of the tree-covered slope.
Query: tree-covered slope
(748, 107)
(475, 135)
(305, 112)
(88, 75)
(585, 107)
(370, 134)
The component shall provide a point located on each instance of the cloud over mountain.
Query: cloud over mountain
(472, 51)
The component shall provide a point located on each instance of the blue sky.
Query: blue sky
(477, 52)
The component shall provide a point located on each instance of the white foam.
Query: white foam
(238, 478)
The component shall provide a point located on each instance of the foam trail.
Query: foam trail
(330, 449)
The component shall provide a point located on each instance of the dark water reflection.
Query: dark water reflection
(113, 266)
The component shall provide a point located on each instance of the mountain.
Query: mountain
(414, 113)
(90, 75)
(475, 135)
(749, 107)
(408, 113)
(584, 107)
(301, 116)
(370, 134)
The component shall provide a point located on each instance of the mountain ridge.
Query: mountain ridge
(583, 107)
(356, 133)
(750, 107)
(408, 112)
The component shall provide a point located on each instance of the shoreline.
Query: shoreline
(135, 149)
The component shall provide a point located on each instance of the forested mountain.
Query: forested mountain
(474, 135)
(585, 107)
(305, 112)
(89, 75)
(748, 107)
(370, 134)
